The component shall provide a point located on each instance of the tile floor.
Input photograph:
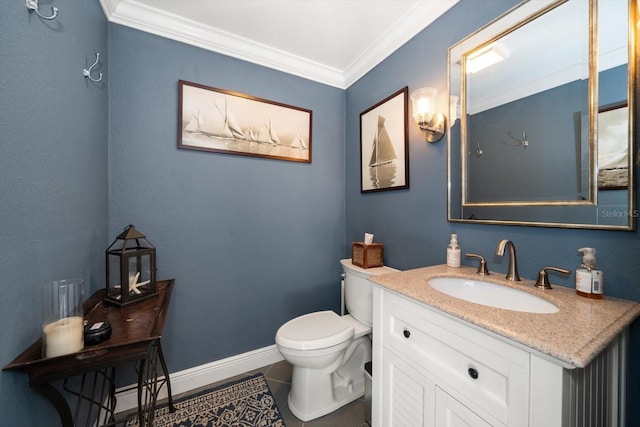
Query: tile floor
(278, 377)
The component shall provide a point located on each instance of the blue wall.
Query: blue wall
(413, 223)
(53, 176)
(251, 242)
(507, 171)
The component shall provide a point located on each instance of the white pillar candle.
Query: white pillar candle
(64, 336)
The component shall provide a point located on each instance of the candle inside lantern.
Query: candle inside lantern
(64, 336)
(62, 318)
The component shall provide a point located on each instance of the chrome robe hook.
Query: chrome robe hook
(87, 71)
(479, 151)
(32, 6)
(524, 141)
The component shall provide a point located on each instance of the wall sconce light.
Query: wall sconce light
(431, 123)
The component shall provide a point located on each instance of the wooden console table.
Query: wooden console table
(89, 374)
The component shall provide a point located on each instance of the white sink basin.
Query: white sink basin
(492, 295)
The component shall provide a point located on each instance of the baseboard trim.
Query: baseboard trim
(200, 376)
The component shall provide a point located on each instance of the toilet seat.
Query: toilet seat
(313, 331)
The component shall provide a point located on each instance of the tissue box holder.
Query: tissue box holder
(367, 256)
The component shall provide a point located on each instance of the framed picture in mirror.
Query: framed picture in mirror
(613, 153)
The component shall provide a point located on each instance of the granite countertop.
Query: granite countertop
(574, 335)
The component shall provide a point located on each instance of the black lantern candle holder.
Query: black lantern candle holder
(131, 268)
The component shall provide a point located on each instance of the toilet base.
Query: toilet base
(318, 392)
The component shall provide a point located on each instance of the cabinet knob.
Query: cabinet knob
(473, 373)
(406, 333)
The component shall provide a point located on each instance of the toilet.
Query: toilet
(328, 351)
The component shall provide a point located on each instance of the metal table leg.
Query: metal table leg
(167, 380)
(149, 385)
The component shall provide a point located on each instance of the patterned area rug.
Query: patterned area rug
(243, 403)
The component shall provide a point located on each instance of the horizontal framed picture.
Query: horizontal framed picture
(384, 145)
(222, 121)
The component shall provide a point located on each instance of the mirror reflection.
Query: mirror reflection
(544, 130)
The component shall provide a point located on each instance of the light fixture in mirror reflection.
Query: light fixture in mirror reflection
(431, 123)
(533, 124)
(454, 112)
(486, 56)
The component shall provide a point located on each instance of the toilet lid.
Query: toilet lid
(311, 331)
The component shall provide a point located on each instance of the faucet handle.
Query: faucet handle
(482, 268)
(543, 276)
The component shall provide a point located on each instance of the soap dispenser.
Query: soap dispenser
(589, 279)
(453, 252)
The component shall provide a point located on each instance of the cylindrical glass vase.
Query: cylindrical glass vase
(62, 318)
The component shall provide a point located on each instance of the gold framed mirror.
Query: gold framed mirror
(545, 132)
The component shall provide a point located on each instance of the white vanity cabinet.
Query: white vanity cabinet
(434, 370)
(414, 399)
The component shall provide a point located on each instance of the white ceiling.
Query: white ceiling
(334, 42)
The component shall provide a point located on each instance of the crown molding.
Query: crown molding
(136, 15)
(421, 15)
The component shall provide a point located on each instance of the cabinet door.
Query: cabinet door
(408, 398)
(489, 376)
(451, 413)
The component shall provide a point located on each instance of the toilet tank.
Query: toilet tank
(358, 290)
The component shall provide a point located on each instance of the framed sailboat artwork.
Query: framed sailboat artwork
(222, 121)
(384, 145)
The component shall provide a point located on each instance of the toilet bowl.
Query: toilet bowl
(328, 351)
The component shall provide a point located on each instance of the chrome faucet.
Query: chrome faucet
(513, 262)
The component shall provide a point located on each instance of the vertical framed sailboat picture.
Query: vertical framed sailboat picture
(217, 120)
(384, 145)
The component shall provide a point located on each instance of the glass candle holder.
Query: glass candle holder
(62, 317)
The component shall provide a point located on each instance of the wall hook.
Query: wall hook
(32, 6)
(524, 141)
(87, 71)
(479, 151)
